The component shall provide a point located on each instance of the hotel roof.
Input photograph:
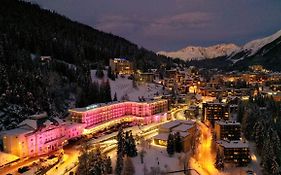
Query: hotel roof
(18, 131)
(98, 105)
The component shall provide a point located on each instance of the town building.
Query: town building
(186, 129)
(192, 112)
(215, 111)
(98, 116)
(121, 66)
(227, 130)
(147, 77)
(236, 152)
(38, 135)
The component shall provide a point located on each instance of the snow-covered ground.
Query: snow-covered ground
(122, 86)
(7, 158)
(154, 155)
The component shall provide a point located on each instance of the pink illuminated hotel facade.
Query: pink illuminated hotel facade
(41, 134)
(96, 117)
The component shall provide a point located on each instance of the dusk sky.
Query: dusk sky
(174, 24)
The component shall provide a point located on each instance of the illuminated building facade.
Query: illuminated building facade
(121, 66)
(143, 112)
(227, 130)
(39, 135)
(186, 129)
(236, 152)
(213, 111)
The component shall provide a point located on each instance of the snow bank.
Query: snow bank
(122, 86)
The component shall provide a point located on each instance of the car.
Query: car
(52, 156)
(23, 169)
(250, 172)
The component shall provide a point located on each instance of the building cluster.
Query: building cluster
(40, 134)
(186, 129)
(230, 145)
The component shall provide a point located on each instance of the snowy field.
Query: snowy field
(6, 158)
(123, 86)
(154, 155)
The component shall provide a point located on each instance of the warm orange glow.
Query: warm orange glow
(204, 159)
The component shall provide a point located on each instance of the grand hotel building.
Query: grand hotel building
(98, 116)
(40, 134)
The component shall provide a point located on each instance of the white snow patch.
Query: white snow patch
(123, 86)
(255, 45)
(153, 156)
(7, 158)
(199, 53)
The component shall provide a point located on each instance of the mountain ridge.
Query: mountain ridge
(231, 51)
(199, 53)
(264, 51)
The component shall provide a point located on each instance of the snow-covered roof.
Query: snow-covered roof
(171, 124)
(29, 122)
(184, 134)
(227, 122)
(36, 122)
(161, 136)
(95, 106)
(188, 122)
(18, 131)
(182, 128)
(233, 144)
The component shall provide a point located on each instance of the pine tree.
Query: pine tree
(219, 161)
(170, 144)
(240, 112)
(107, 91)
(133, 147)
(84, 161)
(258, 135)
(129, 168)
(119, 164)
(130, 145)
(142, 153)
(134, 83)
(109, 72)
(276, 146)
(99, 73)
(108, 165)
(275, 168)
(120, 151)
(178, 143)
(115, 97)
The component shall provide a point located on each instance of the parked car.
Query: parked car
(23, 169)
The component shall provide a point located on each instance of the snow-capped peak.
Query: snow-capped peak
(199, 53)
(254, 46)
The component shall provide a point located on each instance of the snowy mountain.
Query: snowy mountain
(200, 53)
(265, 51)
(252, 47)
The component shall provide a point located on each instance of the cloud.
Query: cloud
(154, 27)
(180, 22)
(173, 24)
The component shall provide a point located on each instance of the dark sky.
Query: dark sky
(174, 24)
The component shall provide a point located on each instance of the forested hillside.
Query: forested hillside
(29, 85)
